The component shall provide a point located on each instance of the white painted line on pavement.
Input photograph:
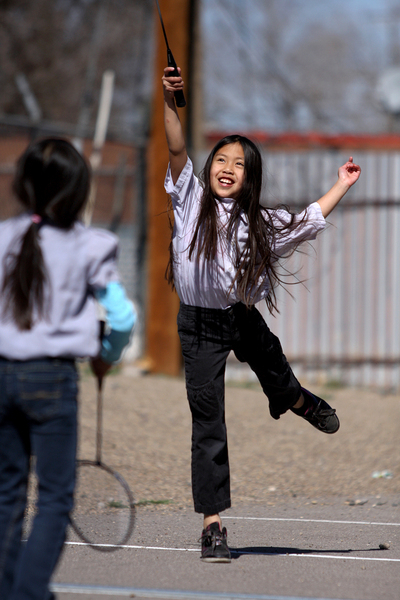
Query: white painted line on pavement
(69, 588)
(131, 547)
(301, 520)
(240, 552)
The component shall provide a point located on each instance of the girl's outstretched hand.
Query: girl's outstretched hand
(171, 84)
(348, 175)
(349, 172)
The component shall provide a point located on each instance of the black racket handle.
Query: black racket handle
(99, 433)
(179, 95)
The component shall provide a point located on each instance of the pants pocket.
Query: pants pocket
(41, 394)
(204, 402)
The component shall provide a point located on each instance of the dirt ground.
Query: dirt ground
(147, 431)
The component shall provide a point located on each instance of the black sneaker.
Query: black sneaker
(214, 544)
(320, 414)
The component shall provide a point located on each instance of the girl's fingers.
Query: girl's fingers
(350, 171)
(176, 82)
(351, 166)
(172, 83)
(169, 70)
(172, 88)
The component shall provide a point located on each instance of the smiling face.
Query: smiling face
(227, 171)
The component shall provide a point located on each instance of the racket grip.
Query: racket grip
(179, 95)
(180, 99)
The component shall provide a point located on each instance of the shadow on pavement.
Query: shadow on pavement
(273, 550)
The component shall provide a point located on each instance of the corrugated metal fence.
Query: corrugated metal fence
(343, 322)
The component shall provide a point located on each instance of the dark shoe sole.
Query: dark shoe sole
(214, 559)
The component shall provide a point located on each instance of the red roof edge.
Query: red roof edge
(315, 139)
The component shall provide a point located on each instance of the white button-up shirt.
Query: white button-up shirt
(208, 283)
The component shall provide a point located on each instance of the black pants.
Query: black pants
(207, 336)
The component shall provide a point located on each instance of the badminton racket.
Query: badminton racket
(179, 95)
(104, 508)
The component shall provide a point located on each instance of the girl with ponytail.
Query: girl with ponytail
(53, 273)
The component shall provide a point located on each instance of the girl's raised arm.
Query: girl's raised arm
(348, 175)
(173, 127)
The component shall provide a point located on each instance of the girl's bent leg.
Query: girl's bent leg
(262, 350)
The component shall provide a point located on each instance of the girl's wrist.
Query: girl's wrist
(342, 185)
(169, 99)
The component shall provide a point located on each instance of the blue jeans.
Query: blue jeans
(38, 417)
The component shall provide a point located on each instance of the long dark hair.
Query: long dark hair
(257, 257)
(52, 181)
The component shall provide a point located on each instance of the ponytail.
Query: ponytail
(24, 283)
(52, 181)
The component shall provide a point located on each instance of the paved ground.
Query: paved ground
(297, 550)
(309, 510)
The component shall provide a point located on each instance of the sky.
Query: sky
(233, 48)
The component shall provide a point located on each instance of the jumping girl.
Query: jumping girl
(224, 254)
(53, 270)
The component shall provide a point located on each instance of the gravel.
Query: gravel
(147, 431)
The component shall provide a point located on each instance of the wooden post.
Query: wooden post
(163, 352)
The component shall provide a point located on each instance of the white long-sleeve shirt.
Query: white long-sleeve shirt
(208, 283)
